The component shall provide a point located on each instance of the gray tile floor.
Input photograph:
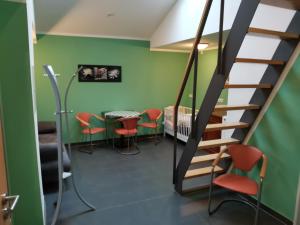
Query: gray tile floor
(138, 190)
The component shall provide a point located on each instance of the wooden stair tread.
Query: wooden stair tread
(282, 35)
(208, 157)
(288, 4)
(216, 143)
(224, 126)
(248, 86)
(261, 61)
(236, 107)
(201, 172)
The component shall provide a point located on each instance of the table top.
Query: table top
(123, 114)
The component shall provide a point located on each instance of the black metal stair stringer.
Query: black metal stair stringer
(234, 41)
(271, 76)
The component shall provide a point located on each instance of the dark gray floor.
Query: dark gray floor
(138, 190)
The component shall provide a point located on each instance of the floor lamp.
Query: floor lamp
(59, 116)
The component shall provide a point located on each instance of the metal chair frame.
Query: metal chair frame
(157, 139)
(134, 138)
(256, 207)
(90, 135)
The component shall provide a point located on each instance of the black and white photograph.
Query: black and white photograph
(99, 73)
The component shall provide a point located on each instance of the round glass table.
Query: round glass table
(122, 114)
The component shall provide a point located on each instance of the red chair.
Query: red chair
(244, 158)
(154, 115)
(128, 130)
(88, 129)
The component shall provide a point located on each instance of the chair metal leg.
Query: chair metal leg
(128, 142)
(113, 139)
(155, 137)
(91, 144)
(106, 131)
(90, 151)
(258, 202)
(210, 212)
(128, 148)
(135, 142)
(157, 140)
(255, 207)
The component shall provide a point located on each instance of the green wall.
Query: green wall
(17, 113)
(278, 136)
(149, 79)
(206, 67)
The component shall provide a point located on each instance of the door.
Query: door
(7, 203)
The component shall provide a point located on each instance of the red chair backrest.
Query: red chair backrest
(130, 123)
(84, 116)
(153, 114)
(244, 157)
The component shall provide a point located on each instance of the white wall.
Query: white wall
(259, 47)
(182, 22)
(31, 40)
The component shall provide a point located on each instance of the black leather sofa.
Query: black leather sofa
(48, 155)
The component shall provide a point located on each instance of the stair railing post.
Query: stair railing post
(184, 82)
(193, 133)
(175, 142)
(220, 60)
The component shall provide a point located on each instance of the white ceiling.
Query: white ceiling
(133, 19)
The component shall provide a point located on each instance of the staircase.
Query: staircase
(242, 115)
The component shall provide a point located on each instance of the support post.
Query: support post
(220, 60)
(194, 93)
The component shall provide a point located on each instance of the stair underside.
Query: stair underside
(207, 158)
(201, 172)
(216, 143)
(282, 35)
(236, 107)
(224, 126)
(260, 61)
(262, 86)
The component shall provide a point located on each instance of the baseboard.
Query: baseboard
(270, 211)
(147, 137)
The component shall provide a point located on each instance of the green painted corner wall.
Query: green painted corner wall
(206, 67)
(278, 136)
(17, 114)
(149, 79)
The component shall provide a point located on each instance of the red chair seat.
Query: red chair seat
(93, 130)
(123, 131)
(148, 125)
(237, 183)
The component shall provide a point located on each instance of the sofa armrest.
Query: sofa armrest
(48, 152)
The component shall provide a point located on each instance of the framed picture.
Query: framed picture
(100, 73)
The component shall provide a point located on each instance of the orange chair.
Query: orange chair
(154, 116)
(129, 129)
(84, 119)
(244, 158)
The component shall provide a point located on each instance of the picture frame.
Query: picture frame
(99, 73)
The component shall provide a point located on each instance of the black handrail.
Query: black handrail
(193, 130)
(220, 60)
(188, 70)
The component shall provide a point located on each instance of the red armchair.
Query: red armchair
(244, 158)
(128, 130)
(154, 115)
(87, 128)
